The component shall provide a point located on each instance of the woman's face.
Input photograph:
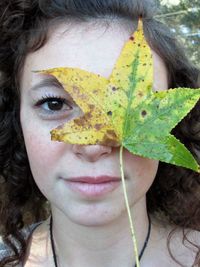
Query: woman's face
(93, 48)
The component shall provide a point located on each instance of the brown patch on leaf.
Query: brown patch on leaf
(88, 115)
(83, 122)
(98, 126)
(76, 91)
(112, 134)
(106, 141)
(140, 94)
(57, 136)
(92, 107)
(95, 91)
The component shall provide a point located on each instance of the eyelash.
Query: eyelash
(51, 113)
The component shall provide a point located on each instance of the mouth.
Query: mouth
(93, 186)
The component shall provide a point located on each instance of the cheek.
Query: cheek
(39, 149)
(42, 158)
(42, 152)
(141, 170)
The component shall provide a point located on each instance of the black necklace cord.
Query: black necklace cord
(53, 244)
(146, 240)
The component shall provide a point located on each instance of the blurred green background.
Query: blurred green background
(183, 17)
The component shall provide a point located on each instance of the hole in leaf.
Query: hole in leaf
(143, 113)
(114, 88)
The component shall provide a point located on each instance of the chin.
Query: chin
(94, 216)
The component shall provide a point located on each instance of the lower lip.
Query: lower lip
(93, 190)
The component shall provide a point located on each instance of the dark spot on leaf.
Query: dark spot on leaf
(91, 106)
(110, 139)
(95, 91)
(98, 126)
(112, 133)
(114, 88)
(139, 45)
(131, 38)
(88, 115)
(144, 64)
(109, 113)
(143, 113)
(79, 122)
(140, 94)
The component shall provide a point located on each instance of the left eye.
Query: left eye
(54, 104)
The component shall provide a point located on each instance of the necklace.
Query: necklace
(54, 251)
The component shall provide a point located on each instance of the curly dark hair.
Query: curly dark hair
(24, 26)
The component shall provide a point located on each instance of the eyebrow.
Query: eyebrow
(46, 82)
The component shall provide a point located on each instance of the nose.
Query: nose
(91, 153)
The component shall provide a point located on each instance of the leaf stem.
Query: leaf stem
(128, 209)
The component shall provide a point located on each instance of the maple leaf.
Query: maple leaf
(123, 110)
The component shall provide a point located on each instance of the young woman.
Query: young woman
(44, 221)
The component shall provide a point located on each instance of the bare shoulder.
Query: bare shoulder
(175, 246)
(186, 245)
(38, 251)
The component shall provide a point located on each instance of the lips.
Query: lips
(92, 187)
(95, 179)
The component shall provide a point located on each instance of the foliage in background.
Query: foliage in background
(184, 19)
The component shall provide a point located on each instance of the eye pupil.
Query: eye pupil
(55, 105)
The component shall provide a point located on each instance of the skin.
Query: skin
(94, 231)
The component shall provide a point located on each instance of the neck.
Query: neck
(96, 243)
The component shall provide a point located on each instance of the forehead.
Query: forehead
(92, 47)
